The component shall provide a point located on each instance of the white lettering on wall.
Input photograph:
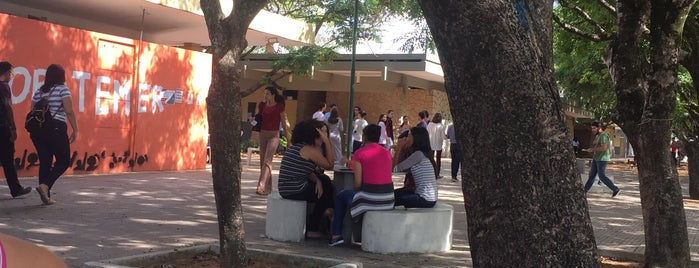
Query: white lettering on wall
(23, 72)
(122, 91)
(101, 95)
(81, 76)
(141, 97)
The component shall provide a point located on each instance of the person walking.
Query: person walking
(273, 114)
(359, 125)
(318, 115)
(54, 141)
(336, 128)
(456, 158)
(600, 158)
(437, 137)
(8, 133)
(383, 139)
(389, 128)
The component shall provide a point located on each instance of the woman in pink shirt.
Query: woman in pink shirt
(373, 183)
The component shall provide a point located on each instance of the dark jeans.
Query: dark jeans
(344, 200)
(323, 203)
(455, 159)
(598, 168)
(49, 144)
(356, 145)
(7, 158)
(410, 199)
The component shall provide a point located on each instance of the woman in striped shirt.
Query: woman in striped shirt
(298, 179)
(422, 168)
(54, 141)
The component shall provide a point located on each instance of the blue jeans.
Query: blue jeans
(49, 144)
(342, 203)
(410, 199)
(598, 168)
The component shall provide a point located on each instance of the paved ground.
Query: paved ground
(107, 216)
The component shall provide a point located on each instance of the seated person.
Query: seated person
(298, 177)
(17, 253)
(421, 166)
(373, 184)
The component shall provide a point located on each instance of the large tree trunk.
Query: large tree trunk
(227, 36)
(523, 196)
(646, 100)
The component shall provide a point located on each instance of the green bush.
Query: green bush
(248, 144)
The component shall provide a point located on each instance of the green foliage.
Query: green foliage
(299, 61)
(282, 141)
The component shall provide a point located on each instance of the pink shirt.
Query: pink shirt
(271, 116)
(376, 164)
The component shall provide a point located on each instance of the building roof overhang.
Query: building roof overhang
(173, 23)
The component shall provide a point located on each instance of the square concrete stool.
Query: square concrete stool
(286, 219)
(420, 230)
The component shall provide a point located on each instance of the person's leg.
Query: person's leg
(7, 155)
(342, 203)
(60, 147)
(398, 196)
(438, 161)
(21, 253)
(413, 200)
(269, 141)
(455, 161)
(601, 168)
(41, 143)
(591, 176)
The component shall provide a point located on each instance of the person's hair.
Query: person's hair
(358, 108)
(421, 142)
(55, 75)
(305, 132)
(595, 124)
(424, 114)
(372, 133)
(5, 67)
(320, 105)
(362, 114)
(437, 118)
(332, 106)
(405, 121)
(334, 116)
(380, 117)
(389, 111)
(278, 98)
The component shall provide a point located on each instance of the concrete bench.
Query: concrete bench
(420, 230)
(250, 151)
(286, 219)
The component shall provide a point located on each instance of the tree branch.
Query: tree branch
(603, 34)
(607, 6)
(572, 29)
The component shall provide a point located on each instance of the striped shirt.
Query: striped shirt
(423, 172)
(294, 171)
(55, 97)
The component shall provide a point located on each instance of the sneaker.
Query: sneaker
(615, 193)
(454, 180)
(24, 191)
(337, 241)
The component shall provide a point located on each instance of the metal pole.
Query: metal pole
(350, 124)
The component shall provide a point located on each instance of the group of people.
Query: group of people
(316, 145)
(52, 142)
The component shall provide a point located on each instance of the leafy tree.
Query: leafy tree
(227, 34)
(642, 54)
(523, 199)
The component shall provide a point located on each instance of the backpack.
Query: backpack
(39, 117)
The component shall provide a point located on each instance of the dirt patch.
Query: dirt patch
(210, 260)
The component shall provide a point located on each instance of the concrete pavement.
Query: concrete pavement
(106, 216)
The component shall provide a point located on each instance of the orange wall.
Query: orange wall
(125, 123)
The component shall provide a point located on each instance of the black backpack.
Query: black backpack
(39, 117)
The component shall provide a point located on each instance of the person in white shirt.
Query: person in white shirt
(383, 139)
(437, 134)
(318, 115)
(359, 125)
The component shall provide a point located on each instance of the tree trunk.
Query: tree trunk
(523, 196)
(692, 150)
(646, 101)
(227, 36)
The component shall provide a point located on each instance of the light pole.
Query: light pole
(350, 124)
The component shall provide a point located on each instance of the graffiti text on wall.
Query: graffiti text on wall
(87, 162)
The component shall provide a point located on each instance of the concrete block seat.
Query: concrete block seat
(286, 219)
(420, 230)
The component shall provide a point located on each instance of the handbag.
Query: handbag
(257, 122)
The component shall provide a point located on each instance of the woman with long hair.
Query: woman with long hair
(383, 139)
(422, 167)
(437, 133)
(53, 140)
(336, 128)
(404, 126)
(273, 113)
(298, 176)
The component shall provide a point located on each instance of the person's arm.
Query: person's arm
(311, 153)
(357, 169)
(286, 127)
(412, 160)
(70, 114)
(11, 119)
(319, 185)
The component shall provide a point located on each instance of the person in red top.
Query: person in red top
(273, 114)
